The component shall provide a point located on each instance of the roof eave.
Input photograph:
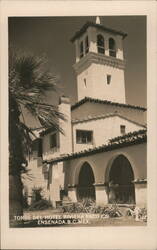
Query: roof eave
(104, 148)
(90, 99)
(91, 24)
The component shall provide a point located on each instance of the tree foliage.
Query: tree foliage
(29, 80)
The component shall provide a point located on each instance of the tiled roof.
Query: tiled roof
(100, 27)
(90, 99)
(102, 116)
(130, 139)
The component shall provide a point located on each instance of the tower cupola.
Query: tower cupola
(100, 62)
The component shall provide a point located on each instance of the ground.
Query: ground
(47, 218)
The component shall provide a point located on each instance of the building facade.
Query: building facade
(101, 153)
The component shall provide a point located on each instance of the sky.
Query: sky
(51, 36)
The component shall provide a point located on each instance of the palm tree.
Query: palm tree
(29, 80)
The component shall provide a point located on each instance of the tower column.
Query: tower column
(92, 39)
(77, 51)
(106, 47)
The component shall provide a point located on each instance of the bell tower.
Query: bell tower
(99, 63)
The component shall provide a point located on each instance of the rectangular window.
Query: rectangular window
(53, 140)
(108, 79)
(85, 82)
(122, 129)
(84, 137)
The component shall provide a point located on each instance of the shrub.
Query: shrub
(40, 205)
(89, 206)
(112, 211)
(142, 213)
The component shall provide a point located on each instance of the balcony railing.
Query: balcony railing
(112, 53)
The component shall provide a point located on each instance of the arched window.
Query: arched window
(121, 186)
(86, 180)
(81, 49)
(100, 44)
(112, 47)
(86, 45)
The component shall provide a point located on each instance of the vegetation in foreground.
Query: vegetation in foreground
(83, 213)
(29, 81)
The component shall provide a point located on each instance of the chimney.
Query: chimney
(66, 137)
(64, 99)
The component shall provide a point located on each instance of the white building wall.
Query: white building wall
(115, 91)
(101, 164)
(56, 182)
(94, 109)
(35, 178)
(47, 151)
(103, 130)
(64, 137)
(65, 125)
(96, 73)
(82, 88)
(96, 83)
(67, 173)
(64, 146)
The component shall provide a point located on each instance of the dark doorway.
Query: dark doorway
(121, 188)
(85, 188)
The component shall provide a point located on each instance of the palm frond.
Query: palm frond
(29, 81)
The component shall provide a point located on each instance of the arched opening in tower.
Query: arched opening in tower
(112, 47)
(121, 186)
(85, 187)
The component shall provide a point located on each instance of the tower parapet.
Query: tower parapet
(100, 62)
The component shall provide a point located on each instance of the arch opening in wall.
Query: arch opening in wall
(86, 45)
(81, 49)
(100, 44)
(121, 186)
(85, 187)
(112, 47)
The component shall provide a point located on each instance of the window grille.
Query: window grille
(84, 137)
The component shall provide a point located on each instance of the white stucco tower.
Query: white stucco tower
(100, 63)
